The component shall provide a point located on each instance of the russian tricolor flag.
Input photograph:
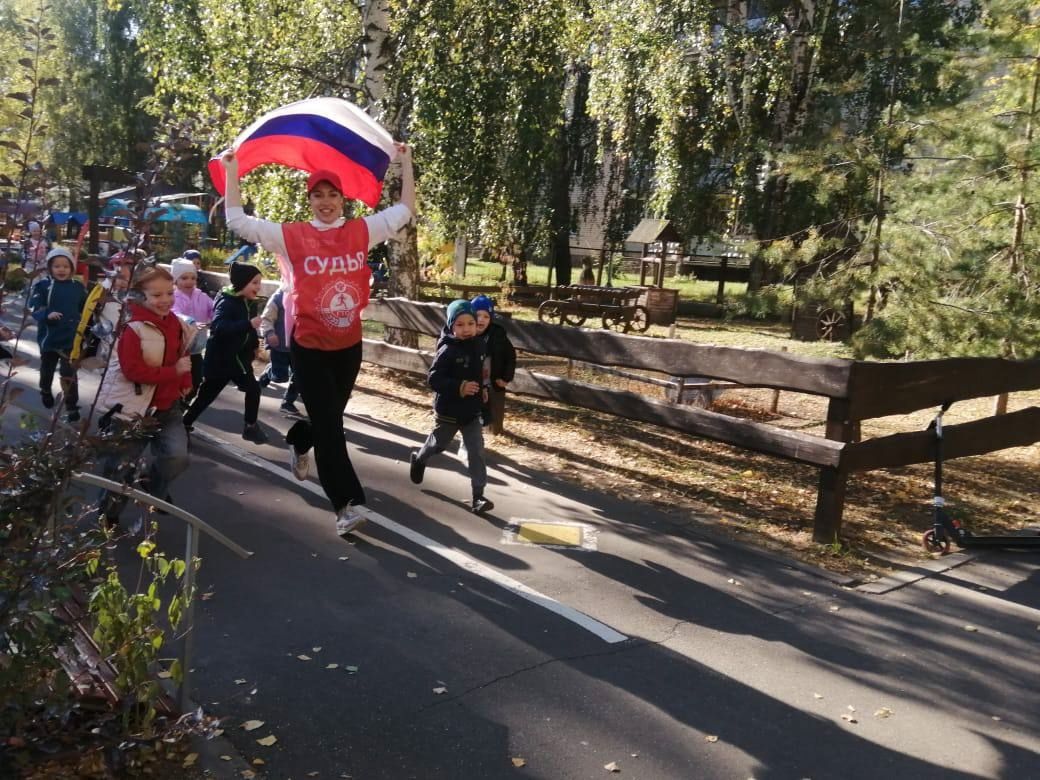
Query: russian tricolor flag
(320, 133)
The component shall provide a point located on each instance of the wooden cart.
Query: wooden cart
(615, 307)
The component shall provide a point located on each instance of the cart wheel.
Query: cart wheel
(615, 322)
(577, 320)
(933, 545)
(551, 312)
(640, 320)
(830, 324)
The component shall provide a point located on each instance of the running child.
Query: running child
(190, 303)
(455, 377)
(499, 360)
(272, 331)
(149, 373)
(56, 304)
(230, 349)
(328, 276)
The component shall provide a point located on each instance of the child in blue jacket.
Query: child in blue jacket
(56, 304)
(455, 377)
(230, 349)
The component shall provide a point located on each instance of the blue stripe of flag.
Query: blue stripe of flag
(324, 130)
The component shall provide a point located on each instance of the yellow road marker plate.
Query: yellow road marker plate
(543, 533)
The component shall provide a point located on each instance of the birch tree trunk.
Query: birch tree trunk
(403, 251)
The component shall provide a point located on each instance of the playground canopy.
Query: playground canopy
(176, 212)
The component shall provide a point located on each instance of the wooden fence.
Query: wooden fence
(856, 391)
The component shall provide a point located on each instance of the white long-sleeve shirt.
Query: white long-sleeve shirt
(381, 226)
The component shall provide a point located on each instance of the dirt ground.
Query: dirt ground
(762, 500)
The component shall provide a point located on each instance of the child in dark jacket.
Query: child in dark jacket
(499, 360)
(56, 304)
(455, 377)
(230, 349)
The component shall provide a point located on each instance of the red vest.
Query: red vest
(330, 283)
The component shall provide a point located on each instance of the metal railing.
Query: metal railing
(191, 548)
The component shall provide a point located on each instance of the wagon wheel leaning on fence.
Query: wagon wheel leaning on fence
(831, 324)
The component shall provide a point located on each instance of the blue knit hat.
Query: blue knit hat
(455, 308)
(483, 303)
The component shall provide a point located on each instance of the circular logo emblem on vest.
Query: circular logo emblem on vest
(338, 304)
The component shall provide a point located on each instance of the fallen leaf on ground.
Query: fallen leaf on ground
(997, 717)
(519, 762)
(884, 712)
(848, 717)
(412, 575)
(252, 725)
(304, 657)
(970, 628)
(164, 675)
(190, 759)
(258, 762)
(316, 649)
(240, 682)
(312, 774)
(332, 666)
(612, 767)
(835, 608)
(225, 758)
(248, 774)
(711, 738)
(439, 690)
(344, 557)
(267, 741)
(817, 695)
(351, 669)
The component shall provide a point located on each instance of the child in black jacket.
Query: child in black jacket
(230, 349)
(455, 377)
(499, 360)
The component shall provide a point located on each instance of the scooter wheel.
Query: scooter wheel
(934, 545)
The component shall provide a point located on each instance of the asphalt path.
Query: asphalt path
(457, 650)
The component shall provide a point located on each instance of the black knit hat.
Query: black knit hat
(242, 274)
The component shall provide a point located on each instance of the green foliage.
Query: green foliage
(127, 629)
(44, 558)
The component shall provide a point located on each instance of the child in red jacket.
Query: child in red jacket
(149, 373)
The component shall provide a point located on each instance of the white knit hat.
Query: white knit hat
(180, 266)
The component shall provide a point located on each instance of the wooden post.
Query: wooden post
(830, 497)
(1000, 404)
(775, 404)
(497, 404)
(720, 293)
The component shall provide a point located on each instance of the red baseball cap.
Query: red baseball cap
(326, 175)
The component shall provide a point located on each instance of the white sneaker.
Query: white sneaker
(349, 519)
(300, 463)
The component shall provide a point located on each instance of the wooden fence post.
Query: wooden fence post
(497, 404)
(830, 497)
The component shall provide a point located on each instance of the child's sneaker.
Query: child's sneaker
(254, 433)
(288, 407)
(348, 519)
(300, 463)
(481, 505)
(48, 399)
(416, 468)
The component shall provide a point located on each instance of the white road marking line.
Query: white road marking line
(463, 561)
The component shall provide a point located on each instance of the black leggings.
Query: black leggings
(325, 380)
(211, 388)
(69, 384)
